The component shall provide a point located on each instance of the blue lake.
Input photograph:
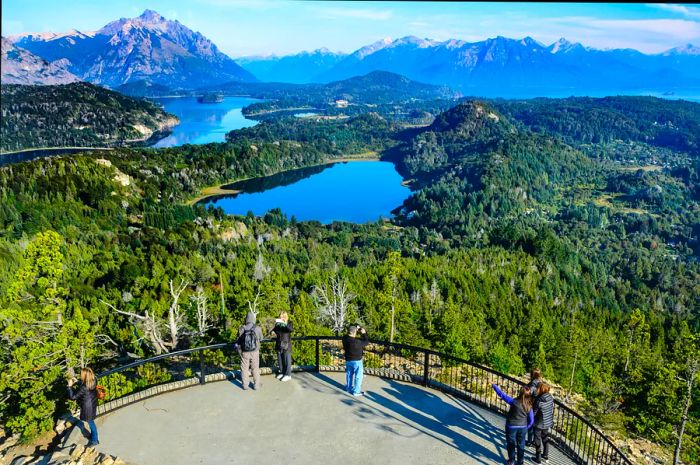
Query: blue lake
(201, 123)
(357, 192)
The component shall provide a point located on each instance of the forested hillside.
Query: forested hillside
(75, 115)
(518, 250)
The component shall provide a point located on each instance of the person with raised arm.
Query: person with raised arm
(85, 394)
(518, 420)
(283, 344)
(354, 347)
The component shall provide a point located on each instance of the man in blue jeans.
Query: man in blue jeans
(354, 350)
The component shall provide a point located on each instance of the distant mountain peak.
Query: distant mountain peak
(151, 16)
(562, 46)
(687, 49)
(147, 47)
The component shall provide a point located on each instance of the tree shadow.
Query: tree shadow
(408, 411)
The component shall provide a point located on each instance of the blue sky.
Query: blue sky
(263, 27)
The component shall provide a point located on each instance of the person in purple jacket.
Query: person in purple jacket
(518, 420)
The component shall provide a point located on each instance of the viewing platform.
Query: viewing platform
(419, 407)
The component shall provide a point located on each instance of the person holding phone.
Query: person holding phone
(354, 347)
(283, 344)
(85, 394)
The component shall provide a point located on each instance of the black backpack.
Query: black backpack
(248, 341)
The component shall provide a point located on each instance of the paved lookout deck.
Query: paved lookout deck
(308, 420)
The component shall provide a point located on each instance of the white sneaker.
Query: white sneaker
(280, 376)
(286, 378)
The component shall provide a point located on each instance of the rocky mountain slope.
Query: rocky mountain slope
(148, 47)
(22, 67)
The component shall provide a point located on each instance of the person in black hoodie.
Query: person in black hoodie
(544, 419)
(86, 396)
(354, 350)
(283, 344)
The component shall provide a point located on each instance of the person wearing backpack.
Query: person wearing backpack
(85, 394)
(283, 344)
(544, 420)
(354, 350)
(249, 337)
(518, 420)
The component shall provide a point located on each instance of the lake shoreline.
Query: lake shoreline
(219, 189)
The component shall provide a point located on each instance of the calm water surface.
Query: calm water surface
(201, 123)
(357, 192)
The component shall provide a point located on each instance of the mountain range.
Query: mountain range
(499, 66)
(158, 52)
(148, 47)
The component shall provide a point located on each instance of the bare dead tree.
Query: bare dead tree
(175, 316)
(253, 306)
(202, 312)
(333, 301)
(148, 324)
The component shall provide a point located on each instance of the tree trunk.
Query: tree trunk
(391, 335)
(688, 400)
(223, 306)
(573, 373)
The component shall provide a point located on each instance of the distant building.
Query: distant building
(341, 103)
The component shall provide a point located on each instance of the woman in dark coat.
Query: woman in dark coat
(86, 396)
(283, 344)
(544, 420)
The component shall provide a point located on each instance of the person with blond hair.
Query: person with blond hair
(86, 396)
(518, 420)
(283, 344)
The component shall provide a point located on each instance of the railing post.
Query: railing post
(318, 355)
(202, 378)
(426, 368)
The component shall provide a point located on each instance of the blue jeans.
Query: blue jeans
(353, 376)
(515, 439)
(93, 431)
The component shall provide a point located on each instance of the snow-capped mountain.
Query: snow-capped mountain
(148, 47)
(507, 67)
(300, 68)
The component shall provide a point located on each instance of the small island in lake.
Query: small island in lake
(211, 98)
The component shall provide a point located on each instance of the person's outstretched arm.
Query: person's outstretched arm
(288, 328)
(506, 398)
(75, 394)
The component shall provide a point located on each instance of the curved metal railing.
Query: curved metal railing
(572, 433)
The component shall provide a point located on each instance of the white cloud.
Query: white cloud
(688, 12)
(355, 13)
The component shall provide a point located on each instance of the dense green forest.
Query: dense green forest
(518, 248)
(75, 115)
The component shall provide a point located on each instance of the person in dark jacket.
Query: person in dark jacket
(535, 380)
(85, 394)
(249, 337)
(544, 419)
(354, 350)
(518, 420)
(283, 344)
